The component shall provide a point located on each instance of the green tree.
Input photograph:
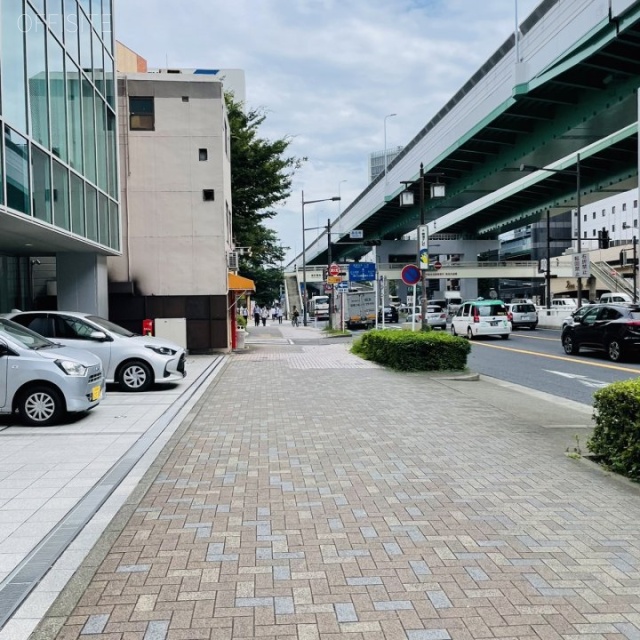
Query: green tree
(261, 177)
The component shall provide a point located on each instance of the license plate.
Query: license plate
(495, 324)
(96, 393)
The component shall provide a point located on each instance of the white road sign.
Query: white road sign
(581, 265)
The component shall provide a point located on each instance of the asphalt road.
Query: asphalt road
(535, 359)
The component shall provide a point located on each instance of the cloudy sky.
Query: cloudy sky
(327, 72)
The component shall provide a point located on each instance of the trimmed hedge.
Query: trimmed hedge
(616, 437)
(414, 351)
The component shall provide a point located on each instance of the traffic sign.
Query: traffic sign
(328, 288)
(342, 286)
(437, 265)
(410, 274)
(334, 269)
(334, 279)
(362, 271)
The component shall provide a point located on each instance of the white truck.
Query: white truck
(319, 307)
(359, 309)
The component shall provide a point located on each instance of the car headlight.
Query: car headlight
(72, 368)
(163, 351)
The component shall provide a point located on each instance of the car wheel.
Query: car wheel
(570, 347)
(505, 336)
(41, 406)
(614, 351)
(533, 326)
(469, 333)
(453, 330)
(135, 376)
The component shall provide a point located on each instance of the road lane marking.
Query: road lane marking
(563, 358)
(534, 338)
(585, 380)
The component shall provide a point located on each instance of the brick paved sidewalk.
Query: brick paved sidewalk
(311, 495)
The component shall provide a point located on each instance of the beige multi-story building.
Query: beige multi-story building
(176, 207)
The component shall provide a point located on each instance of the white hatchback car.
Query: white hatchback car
(135, 362)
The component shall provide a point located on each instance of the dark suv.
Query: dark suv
(612, 328)
(390, 314)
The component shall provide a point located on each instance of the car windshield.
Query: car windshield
(434, 310)
(111, 326)
(25, 337)
(525, 308)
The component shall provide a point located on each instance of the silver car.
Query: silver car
(43, 380)
(436, 317)
(135, 362)
(522, 314)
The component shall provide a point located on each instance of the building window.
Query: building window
(603, 213)
(624, 206)
(141, 114)
(203, 155)
(594, 215)
(584, 235)
(17, 160)
(613, 228)
(635, 204)
(613, 209)
(185, 98)
(635, 222)
(592, 233)
(208, 195)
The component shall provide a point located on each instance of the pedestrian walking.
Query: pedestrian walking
(279, 314)
(244, 312)
(256, 315)
(295, 314)
(264, 314)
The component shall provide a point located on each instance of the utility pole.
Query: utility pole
(548, 270)
(329, 259)
(423, 300)
(635, 269)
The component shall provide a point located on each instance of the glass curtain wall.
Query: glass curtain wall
(58, 157)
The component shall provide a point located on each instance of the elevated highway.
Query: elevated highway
(564, 92)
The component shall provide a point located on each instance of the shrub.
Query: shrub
(242, 321)
(616, 437)
(414, 351)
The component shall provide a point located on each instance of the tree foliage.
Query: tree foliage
(261, 178)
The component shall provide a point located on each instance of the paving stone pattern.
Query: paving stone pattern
(317, 496)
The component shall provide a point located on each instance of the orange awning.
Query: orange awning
(238, 283)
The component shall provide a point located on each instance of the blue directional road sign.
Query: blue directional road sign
(342, 286)
(362, 271)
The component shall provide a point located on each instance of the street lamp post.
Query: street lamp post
(304, 254)
(576, 173)
(389, 115)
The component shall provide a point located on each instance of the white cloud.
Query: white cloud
(327, 72)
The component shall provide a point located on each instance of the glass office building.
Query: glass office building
(59, 146)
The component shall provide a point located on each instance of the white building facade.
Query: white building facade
(176, 206)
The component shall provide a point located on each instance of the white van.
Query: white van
(564, 303)
(481, 318)
(613, 298)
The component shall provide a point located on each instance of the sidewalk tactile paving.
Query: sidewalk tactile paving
(316, 495)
